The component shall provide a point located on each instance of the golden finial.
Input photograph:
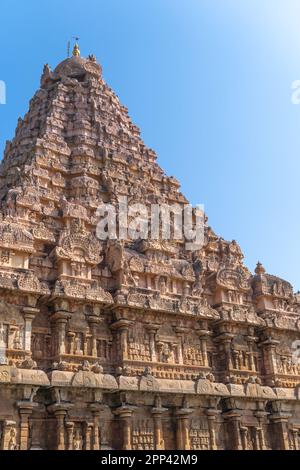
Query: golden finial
(76, 51)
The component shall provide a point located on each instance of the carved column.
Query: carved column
(225, 340)
(25, 411)
(244, 433)
(180, 332)
(60, 416)
(295, 438)
(227, 348)
(280, 426)
(60, 411)
(3, 346)
(122, 326)
(251, 362)
(158, 430)
(233, 418)
(29, 315)
(183, 431)
(96, 409)
(203, 335)
(60, 320)
(260, 415)
(125, 415)
(86, 338)
(236, 429)
(93, 322)
(204, 351)
(256, 438)
(211, 416)
(70, 435)
(152, 329)
(88, 434)
(269, 356)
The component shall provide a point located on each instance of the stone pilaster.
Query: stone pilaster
(125, 415)
(225, 340)
(70, 435)
(183, 429)
(269, 356)
(261, 415)
(29, 315)
(251, 361)
(96, 411)
(60, 411)
(233, 418)
(295, 433)
(280, 427)
(180, 334)
(93, 323)
(122, 326)
(25, 411)
(244, 441)
(203, 336)
(60, 319)
(212, 416)
(60, 416)
(152, 329)
(158, 429)
(88, 435)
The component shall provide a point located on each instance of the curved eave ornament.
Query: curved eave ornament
(73, 289)
(79, 246)
(234, 279)
(15, 237)
(206, 311)
(28, 282)
(43, 234)
(136, 264)
(186, 306)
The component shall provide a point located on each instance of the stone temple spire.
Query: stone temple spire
(87, 323)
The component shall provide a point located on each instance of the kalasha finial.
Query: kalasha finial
(259, 269)
(76, 50)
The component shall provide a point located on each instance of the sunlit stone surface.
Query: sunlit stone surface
(121, 344)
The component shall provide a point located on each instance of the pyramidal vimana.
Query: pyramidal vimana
(127, 344)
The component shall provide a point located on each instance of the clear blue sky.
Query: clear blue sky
(208, 82)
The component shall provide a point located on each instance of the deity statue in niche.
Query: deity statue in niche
(78, 347)
(12, 443)
(17, 341)
(37, 345)
(77, 439)
(163, 286)
(166, 352)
